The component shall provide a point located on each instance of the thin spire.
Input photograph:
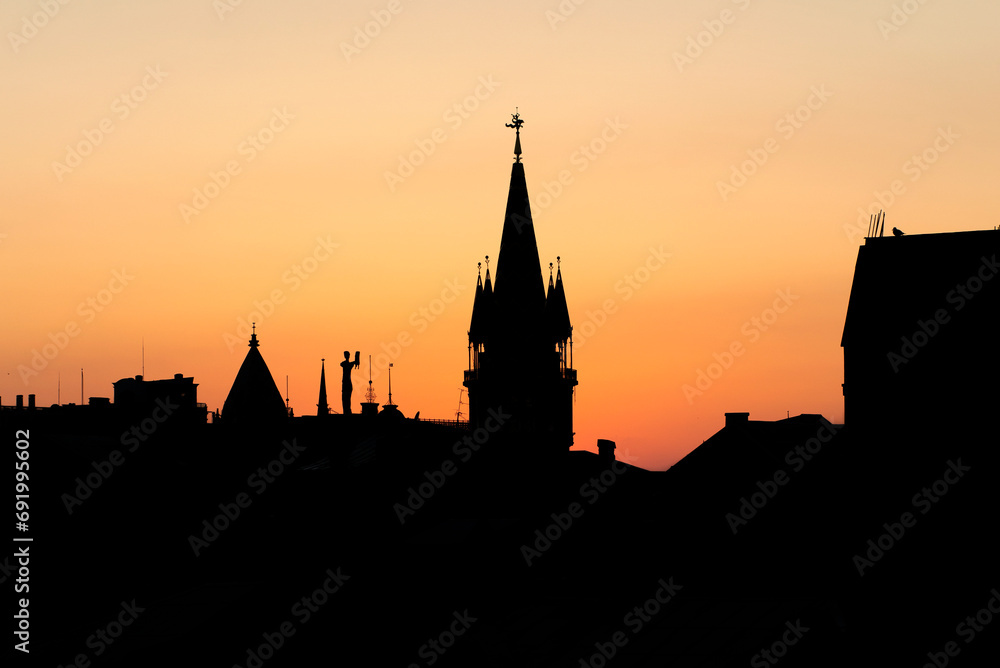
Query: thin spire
(323, 406)
(253, 337)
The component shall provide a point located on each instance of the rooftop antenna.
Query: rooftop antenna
(458, 413)
(81, 386)
(370, 394)
(59, 388)
(144, 357)
(882, 230)
(287, 405)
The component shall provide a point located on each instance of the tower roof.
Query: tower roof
(254, 397)
(519, 273)
(556, 310)
(482, 308)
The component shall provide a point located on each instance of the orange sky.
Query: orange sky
(359, 179)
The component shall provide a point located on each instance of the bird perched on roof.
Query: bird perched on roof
(897, 232)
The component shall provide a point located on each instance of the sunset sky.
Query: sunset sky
(335, 171)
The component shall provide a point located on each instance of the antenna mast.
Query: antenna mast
(458, 413)
(370, 394)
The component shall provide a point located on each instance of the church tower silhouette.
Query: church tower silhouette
(520, 338)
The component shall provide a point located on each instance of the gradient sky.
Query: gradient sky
(116, 113)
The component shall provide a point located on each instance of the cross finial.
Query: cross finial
(516, 123)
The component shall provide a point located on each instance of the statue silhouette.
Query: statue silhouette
(346, 387)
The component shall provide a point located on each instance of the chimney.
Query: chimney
(606, 449)
(178, 376)
(20, 401)
(736, 420)
(31, 402)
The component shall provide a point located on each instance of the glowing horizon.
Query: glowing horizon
(695, 167)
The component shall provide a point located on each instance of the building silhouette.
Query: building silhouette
(254, 399)
(520, 338)
(919, 337)
(136, 398)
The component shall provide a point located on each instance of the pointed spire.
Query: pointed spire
(323, 408)
(556, 309)
(519, 287)
(253, 337)
(481, 307)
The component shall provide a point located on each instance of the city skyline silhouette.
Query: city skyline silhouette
(717, 389)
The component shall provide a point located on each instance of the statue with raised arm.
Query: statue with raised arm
(346, 387)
